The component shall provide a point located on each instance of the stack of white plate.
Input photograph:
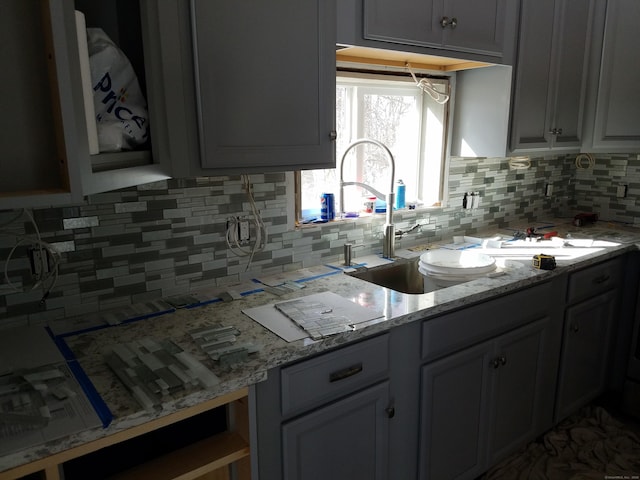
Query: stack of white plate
(450, 267)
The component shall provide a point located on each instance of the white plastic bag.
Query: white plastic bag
(121, 110)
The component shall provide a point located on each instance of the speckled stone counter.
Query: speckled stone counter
(397, 309)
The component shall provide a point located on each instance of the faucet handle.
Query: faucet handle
(348, 252)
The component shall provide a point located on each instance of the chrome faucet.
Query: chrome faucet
(388, 243)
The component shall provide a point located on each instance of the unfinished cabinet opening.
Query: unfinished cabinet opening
(34, 158)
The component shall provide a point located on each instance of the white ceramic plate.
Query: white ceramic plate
(459, 262)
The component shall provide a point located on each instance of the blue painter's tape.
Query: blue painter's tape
(99, 405)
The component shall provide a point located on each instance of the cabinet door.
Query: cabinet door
(479, 26)
(518, 388)
(37, 137)
(265, 76)
(409, 22)
(618, 102)
(148, 33)
(585, 352)
(475, 27)
(551, 74)
(346, 440)
(571, 70)
(453, 415)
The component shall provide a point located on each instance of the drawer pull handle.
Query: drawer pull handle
(601, 279)
(345, 373)
(390, 411)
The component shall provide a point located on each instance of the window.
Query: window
(392, 110)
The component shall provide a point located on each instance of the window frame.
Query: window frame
(393, 77)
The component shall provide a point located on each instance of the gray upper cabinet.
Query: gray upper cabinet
(459, 25)
(146, 31)
(551, 75)
(615, 79)
(50, 153)
(37, 129)
(265, 84)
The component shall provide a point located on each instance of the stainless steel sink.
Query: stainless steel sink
(400, 276)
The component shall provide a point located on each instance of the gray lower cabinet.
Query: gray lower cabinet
(587, 334)
(482, 403)
(454, 396)
(326, 417)
(590, 320)
(487, 380)
(551, 74)
(447, 397)
(346, 440)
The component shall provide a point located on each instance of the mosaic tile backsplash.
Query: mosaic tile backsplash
(168, 238)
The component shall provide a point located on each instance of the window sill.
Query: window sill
(370, 217)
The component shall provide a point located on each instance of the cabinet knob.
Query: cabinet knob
(498, 361)
(448, 22)
(555, 131)
(575, 327)
(390, 411)
(333, 135)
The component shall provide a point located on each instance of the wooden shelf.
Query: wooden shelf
(193, 461)
(392, 58)
(206, 459)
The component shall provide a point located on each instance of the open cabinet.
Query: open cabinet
(47, 156)
(190, 443)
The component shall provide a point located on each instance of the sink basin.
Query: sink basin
(400, 276)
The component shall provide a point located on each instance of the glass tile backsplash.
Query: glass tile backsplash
(168, 238)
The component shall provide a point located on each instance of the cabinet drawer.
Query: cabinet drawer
(463, 328)
(592, 280)
(313, 382)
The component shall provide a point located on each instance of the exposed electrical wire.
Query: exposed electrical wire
(426, 86)
(519, 163)
(48, 276)
(581, 158)
(233, 227)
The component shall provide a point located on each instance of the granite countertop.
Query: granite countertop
(397, 309)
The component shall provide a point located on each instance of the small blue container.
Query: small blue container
(400, 195)
(327, 207)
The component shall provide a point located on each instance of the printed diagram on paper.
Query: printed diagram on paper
(317, 316)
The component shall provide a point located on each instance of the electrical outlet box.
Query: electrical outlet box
(244, 230)
(548, 190)
(621, 191)
(40, 261)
